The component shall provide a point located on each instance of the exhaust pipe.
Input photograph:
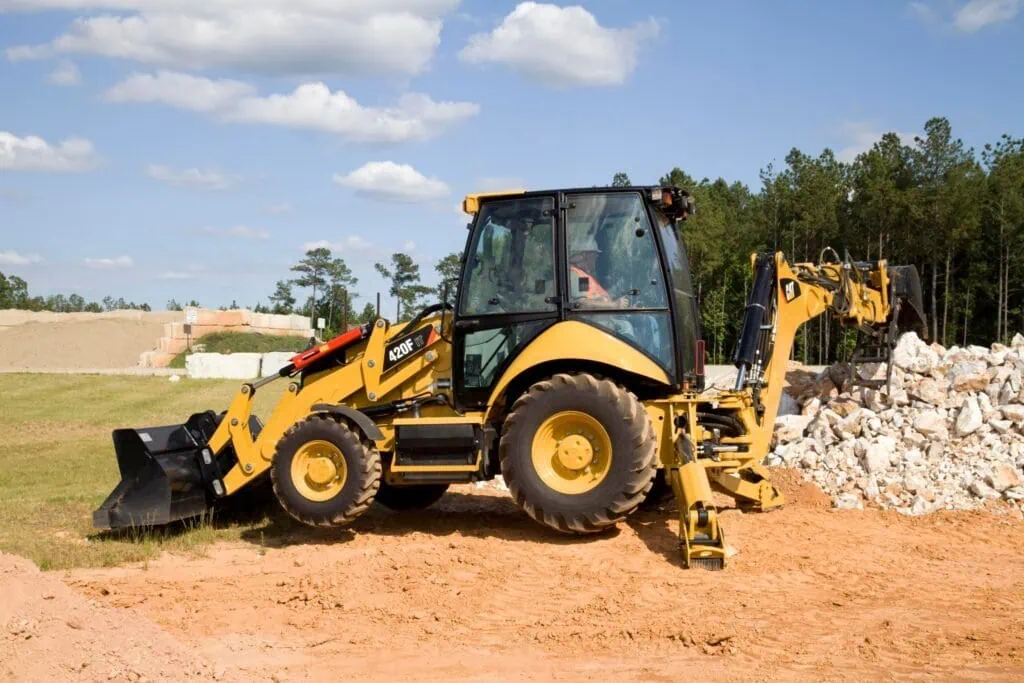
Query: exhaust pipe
(167, 473)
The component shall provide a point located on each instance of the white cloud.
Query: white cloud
(257, 36)
(311, 106)
(561, 45)
(283, 207)
(408, 245)
(13, 258)
(181, 91)
(240, 231)
(116, 262)
(352, 243)
(175, 275)
(391, 181)
(968, 17)
(66, 73)
(194, 178)
(860, 137)
(32, 153)
(978, 14)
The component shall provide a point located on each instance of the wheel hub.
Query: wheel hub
(318, 470)
(321, 471)
(575, 452)
(572, 452)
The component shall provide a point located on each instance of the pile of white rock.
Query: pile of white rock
(948, 433)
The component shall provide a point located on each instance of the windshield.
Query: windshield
(511, 265)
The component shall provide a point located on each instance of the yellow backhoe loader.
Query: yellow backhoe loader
(569, 361)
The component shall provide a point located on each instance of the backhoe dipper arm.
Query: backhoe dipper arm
(784, 297)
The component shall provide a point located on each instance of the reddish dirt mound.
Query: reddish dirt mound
(473, 590)
(50, 633)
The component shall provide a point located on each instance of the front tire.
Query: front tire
(324, 473)
(578, 453)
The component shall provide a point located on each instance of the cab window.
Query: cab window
(510, 266)
(613, 260)
(616, 280)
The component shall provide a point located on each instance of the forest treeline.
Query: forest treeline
(954, 212)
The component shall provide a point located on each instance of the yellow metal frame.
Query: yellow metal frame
(398, 421)
(471, 203)
(357, 384)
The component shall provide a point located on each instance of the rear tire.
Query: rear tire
(418, 497)
(577, 488)
(325, 473)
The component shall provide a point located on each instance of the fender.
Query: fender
(365, 424)
(573, 340)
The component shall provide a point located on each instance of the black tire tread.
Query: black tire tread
(414, 497)
(644, 454)
(369, 475)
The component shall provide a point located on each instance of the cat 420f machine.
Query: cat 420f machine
(569, 361)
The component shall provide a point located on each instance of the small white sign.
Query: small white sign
(191, 316)
(321, 323)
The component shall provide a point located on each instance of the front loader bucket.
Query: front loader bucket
(164, 475)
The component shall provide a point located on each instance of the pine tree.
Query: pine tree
(404, 275)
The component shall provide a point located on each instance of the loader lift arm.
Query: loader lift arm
(730, 433)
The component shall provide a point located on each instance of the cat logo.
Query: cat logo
(790, 290)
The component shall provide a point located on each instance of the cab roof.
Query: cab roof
(675, 201)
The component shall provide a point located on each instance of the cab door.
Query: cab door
(615, 278)
(508, 293)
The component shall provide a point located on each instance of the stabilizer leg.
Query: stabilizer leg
(751, 487)
(701, 538)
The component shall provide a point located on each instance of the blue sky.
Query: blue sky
(193, 148)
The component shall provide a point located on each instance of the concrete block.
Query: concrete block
(206, 316)
(173, 346)
(274, 361)
(155, 359)
(220, 365)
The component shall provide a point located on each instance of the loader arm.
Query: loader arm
(729, 433)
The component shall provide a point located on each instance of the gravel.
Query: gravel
(948, 433)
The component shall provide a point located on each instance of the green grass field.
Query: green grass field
(57, 461)
(242, 342)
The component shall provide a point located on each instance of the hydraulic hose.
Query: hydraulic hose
(754, 315)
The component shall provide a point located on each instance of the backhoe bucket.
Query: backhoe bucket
(165, 475)
(906, 290)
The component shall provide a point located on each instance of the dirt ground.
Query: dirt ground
(78, 345)
(51, 633)
(473, 590)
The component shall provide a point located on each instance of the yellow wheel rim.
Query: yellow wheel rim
(572, 452)
(319, 470)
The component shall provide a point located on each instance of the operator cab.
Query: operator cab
(613, 258)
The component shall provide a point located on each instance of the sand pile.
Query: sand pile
(77, 345)
(50, 633)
